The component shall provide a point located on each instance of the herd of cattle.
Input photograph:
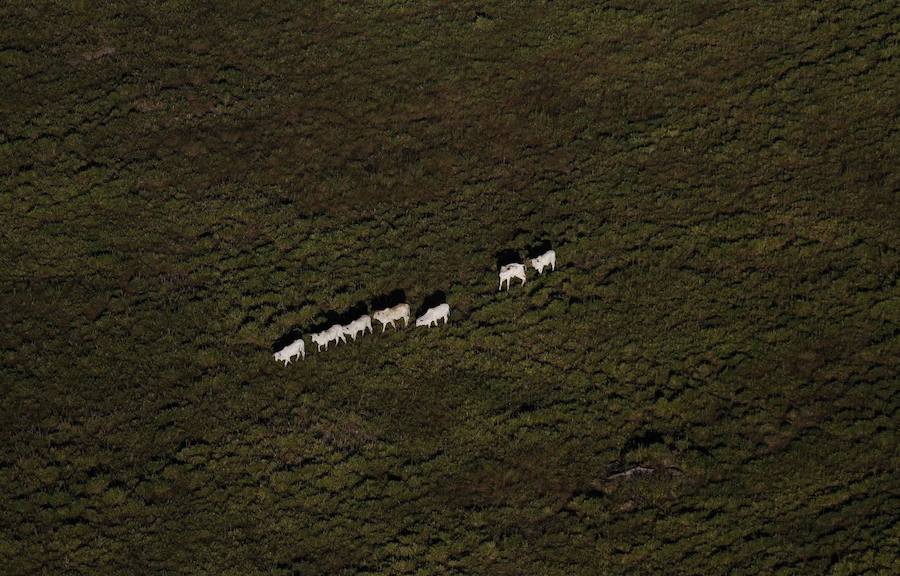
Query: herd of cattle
(388, 316)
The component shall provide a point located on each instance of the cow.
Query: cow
(548, 258)
(292, 350)
(388, 315)
(511, 271)
(326, 337)
(359, 325)
(433, 315)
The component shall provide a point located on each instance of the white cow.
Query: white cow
(326, 337)
(433, 315)
(548, 258)
(359, 325)
(511, 271)
(388, 315)
(292, 350)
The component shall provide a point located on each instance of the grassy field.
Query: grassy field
(183, 183)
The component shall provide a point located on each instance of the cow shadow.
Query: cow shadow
(287, 338)
(330, 318)
(388, 299)
(507, 256)
(434, 299)
(539, 247)
(354, 312)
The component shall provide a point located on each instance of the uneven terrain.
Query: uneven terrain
(183, 184)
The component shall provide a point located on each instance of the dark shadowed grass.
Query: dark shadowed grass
(183, 186)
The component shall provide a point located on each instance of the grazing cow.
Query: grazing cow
(548, 258)
(433, 315)
(359, 325)
(388, 315)
(292, 350)
(326, 337)
(511, 271)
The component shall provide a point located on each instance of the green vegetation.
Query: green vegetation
(181, 183)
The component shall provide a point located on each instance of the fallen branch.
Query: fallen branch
(92, 55)
(632, 472)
